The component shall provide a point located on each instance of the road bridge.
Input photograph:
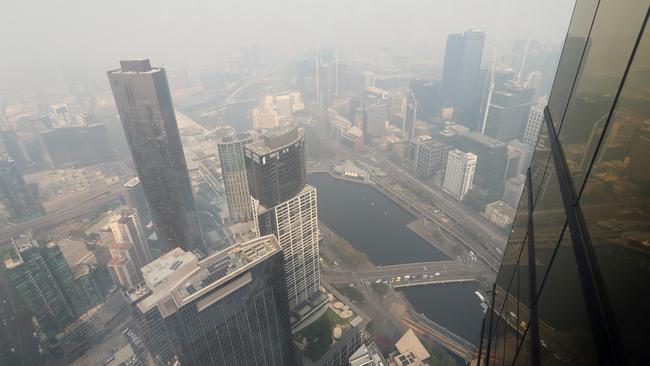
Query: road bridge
(446, 338)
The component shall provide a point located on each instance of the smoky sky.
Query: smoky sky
(95, 34)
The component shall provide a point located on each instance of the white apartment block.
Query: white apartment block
(459, 174)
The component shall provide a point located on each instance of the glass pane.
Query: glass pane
(565, 336)
(615, 203)
(540, 160)
(549, 220)
(610, 45)
(574, 46)
(512, 252)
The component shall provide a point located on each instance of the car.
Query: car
(378, 281)
(407, 277)
(392, 280)
(425, 276)
(437, 274)
(367, 283)
(351, 285)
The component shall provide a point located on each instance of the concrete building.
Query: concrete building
(233, 171)
(227, 309)
(375, 118)
(460, 173)
(431, 157)
(492, 158)
(513, 188)
(144, 103)
(500, 214)
(265, 116)
(508, 112)
(295, 223)
(533, 125)
(127, 228)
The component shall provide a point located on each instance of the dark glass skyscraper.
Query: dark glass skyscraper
(228, 309)
(461, 76)
(508, 112)
(275, 166)
(572, 286)
(145, 106)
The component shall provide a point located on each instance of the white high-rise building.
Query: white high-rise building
(128, 229)
(460, 173)
(535, 120)
(295, 223)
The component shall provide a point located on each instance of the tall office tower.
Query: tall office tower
(45, 282)
(459, 174)
(427, 95)
(375, 117)
(572, 286)
(410, 115)
(275, 166)
(295, 223)
(18, 199)
(492, 159)
(508, 112)
(145, 106)
(235, 182)
(305, 69)
(535, 120)
(327, 83)
(451, 69)
(461, 87)
(127, 228)
(431, 157)
(227, 309)
(286, 207)
(135, 199)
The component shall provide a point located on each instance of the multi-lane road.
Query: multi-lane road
(76, 209)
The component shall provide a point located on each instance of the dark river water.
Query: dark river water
(376, 226)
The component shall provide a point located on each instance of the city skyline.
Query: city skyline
(359, 184)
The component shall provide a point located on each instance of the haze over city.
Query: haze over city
(332, 183)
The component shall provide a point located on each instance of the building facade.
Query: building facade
(145, 107)
(284, 205)
(534, 124)
(135, 199)
(571, 286)
(460, 173)
(235, 182)
(227, 309)
(431, 157)
(275, 166)
(295, 224)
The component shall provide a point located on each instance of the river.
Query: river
(376, 225)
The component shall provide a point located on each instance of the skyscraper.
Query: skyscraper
(534, 124)
(461, 86)
(275, 166)
(508, 112)
(127, 228)
(451, 69)
(286, 207)
(427, 96)
(430, 158)
(20, 202)
(46, 283)
(135, 199)
(235, 182)
(459, 174)
(228, 309)
(145, 106)
(571, 288)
